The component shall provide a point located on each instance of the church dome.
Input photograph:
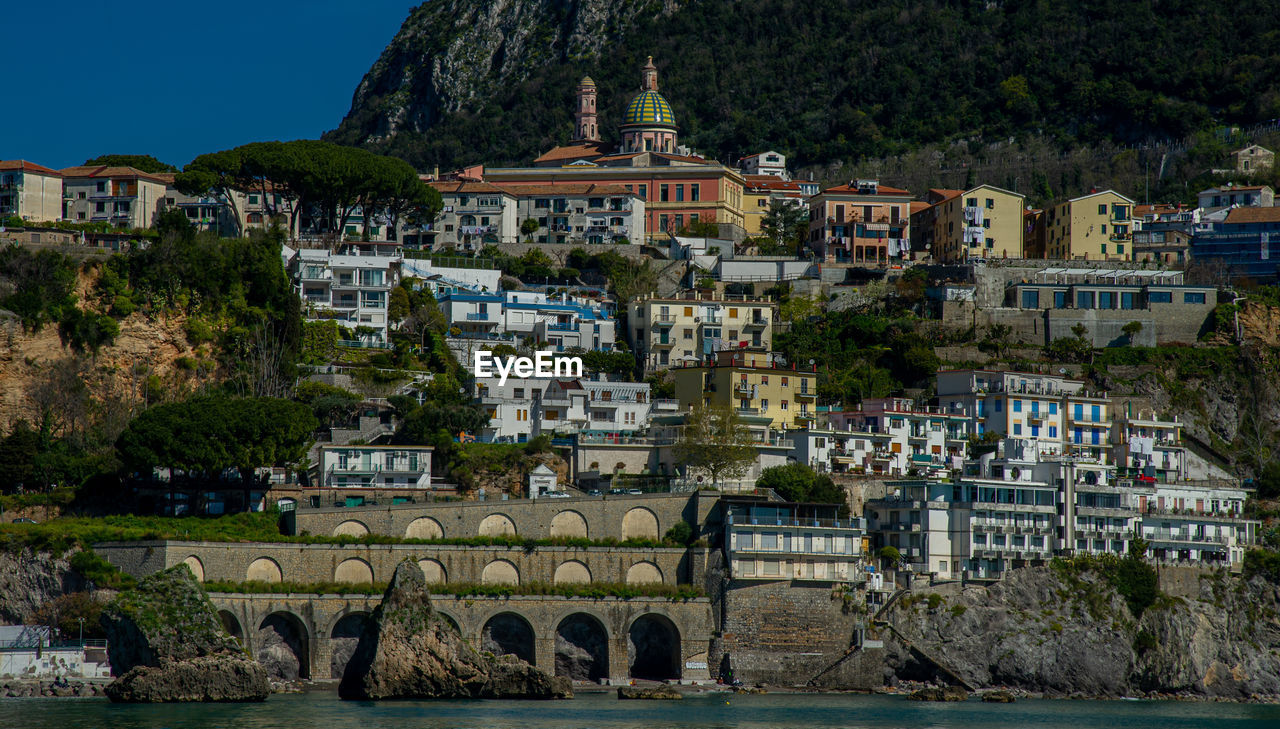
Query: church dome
(649, 108)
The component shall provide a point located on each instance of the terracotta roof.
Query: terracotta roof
(104, 171)
(918, 205)
(1233, 188)
(578, 150)
(615, 157)
(771, 182)
(1156, 209)
(25, 166)
(165, 177)
(853, 190)
(1254, 215)
(516, 188)
(463, 187)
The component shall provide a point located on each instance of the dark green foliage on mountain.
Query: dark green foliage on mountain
(823, 80)
(144, 162)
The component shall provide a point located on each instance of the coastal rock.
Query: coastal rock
(946, 693)
(998, 697)
(666, 693)
(408, 651)
(166, 643)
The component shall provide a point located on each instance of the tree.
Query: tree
(144, 162)
(714, 439)
(799, 482)
(1131, 330)
(786, 223)
(528, 228)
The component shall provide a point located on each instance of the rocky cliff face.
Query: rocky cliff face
(408, 651)
(166, 644)
(1037, 632)
(30, 579)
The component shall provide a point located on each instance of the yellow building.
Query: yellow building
(752, 383)
(690, 328)
(758, 195)
(1095, 227)
(985, 222)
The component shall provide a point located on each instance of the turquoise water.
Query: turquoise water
(604, 711)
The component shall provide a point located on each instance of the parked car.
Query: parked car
(635, 492)
(594, 492)
(616, 492)
(558, 495)
(25, 520)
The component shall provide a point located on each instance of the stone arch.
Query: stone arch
(424, 527)
(653, 648)
(263, 569)
(433, 571)
(569, 524)
(452, 621)
(508, 633)
(497, 525)
(284, 646)
(500, 572)
(640, 523)
(353, 570)
(642, 573)
(196, 566)
(582, 648)
(343, 639)
(232, 625)
(351, 528)
(571, 572)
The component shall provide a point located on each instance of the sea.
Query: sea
(323, 710)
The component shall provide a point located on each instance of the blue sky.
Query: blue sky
(176, 79)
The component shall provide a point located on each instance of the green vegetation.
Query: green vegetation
(799, 482)
(144, 162)
(73, 614)
(1130, 576)
(715, 440)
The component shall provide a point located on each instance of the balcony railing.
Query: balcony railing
(742, 520)
(478, 316)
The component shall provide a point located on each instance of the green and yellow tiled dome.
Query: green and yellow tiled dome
(649, 108)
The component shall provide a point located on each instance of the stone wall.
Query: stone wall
(362, 563)
(320, 639)
(785, 633)
(605, 517)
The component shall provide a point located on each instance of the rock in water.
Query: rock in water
(166, 643)
(408, 652)
(946, 693)
(663, 693)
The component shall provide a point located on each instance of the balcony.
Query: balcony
(805, 394)
(664, 342)
(565, 327)
(478, 316)
(743, 388)
(664, 320)
(756, 323)
(711, 321)
(806, 418)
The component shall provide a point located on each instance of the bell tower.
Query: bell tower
(585, 115)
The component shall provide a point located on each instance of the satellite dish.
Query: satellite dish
(1062, 370)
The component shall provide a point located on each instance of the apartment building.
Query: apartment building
(369, 466)
(1094, 227)
(589, 213)
(351, 286)
(525, 407)
(122, 196)
(690, 328)
(532, 317)
(1148, 448)
(752, 382)
(475, 214)
(1246, 243)
(761, 191)
(985, 222)
(30, 191)
(1049, 409)
(887, 436)
(1203, 523)
(1230, 194)
(861, 222)
(771, 163)
(774, 540)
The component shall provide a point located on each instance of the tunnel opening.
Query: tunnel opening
(283, 648)
(653, 649)
(582, 648)
(231, 625)
(343, 640)
(508, 634)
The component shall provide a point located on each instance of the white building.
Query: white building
(533, 317)
(527, 407)
(780, 541)
(475, 214)
(351, 286)
(30, 191)
(121, 196)
(367, 466)
(543, 482)
(442, 280)
(1147, 447)
(765, 163)
(1196, 523)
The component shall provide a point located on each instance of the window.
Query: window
(644, 191)
(764, 406)
(971, 202)
(1193, 298)
(1017, 428)
(102, 187)
(688, 334)
(1017, 406)
(679, 193)
(688, 311)
(253, 199)
(1053, 408)
(662, 223)
(1084, 299)
(664, 192)
(519, 393)
(784, 381)
(1053, 431)
(1102, 209)
(764, 379)
(694, 190)
(999, 405)
(784, 404)
(1030, 299)
(1160, 297)
(1126, 300)
(1059, 299)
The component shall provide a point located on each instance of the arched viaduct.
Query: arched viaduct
(313, 636)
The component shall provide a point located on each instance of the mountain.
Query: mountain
(826, 81)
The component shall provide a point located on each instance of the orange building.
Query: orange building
(861, 222)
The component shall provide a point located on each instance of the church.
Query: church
(679, 188)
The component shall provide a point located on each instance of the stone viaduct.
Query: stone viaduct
(589, 639)
(591, 517)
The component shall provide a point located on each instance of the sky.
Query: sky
(176, 79)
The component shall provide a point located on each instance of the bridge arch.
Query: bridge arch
(231, 624)
(354, 570)
(640, 523)
(643, 573)
(508, 633)
(497, 525)
(424, 527)
(344, 636)
(653, 648)
(571, 572)
(500, 572)
(433, 571)
(569, 524)
(263, 569)
(582, 647)
(284, 646)
(194, 564)
(351, 528)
